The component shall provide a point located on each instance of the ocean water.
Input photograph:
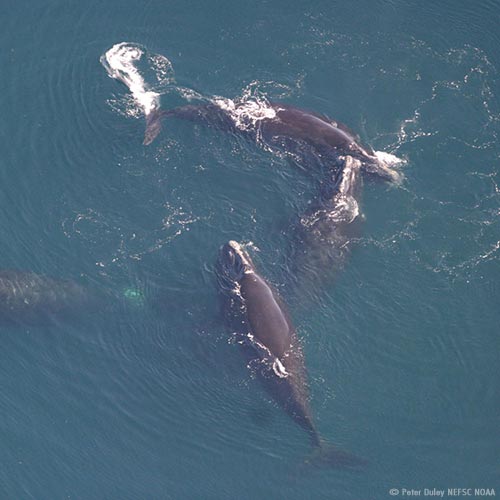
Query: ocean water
(150, 398)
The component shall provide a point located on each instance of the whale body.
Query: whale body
(28, 298)
(278, 123)
(271, 345)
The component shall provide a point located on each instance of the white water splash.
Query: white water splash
(120, 61)
(246, 114)
(388, 167)
(389, 159)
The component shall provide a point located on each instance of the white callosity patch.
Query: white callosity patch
(345, 207)
(243, 256)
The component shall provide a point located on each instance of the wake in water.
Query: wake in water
(122, 62)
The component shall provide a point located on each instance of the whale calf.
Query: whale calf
(270, 344)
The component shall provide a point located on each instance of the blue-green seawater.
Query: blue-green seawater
(151, 399)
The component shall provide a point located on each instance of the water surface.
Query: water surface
(151, 399)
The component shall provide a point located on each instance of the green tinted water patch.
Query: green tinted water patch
(134, 296)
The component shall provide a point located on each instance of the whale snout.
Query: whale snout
(228, 256)
(233, 262)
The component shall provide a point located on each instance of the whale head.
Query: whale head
(233, 263)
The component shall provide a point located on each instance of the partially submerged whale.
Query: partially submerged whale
(270, 122)
(326, 231)
(276, 123)
(271, 345)
(27, 298)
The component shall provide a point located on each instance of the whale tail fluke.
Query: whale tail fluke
(153, 125)
(328, 455)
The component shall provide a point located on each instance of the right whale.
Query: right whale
(258, 316)
(323, 237)
(31, 299)
(278, 123)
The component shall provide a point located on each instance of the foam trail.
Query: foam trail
(120, 61)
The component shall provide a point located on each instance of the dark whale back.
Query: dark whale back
(316, 128)
(303, 125)
(279, 123)
(273, 347)
(268, 320)
(267, 317)
(289, 121)
(209, 114)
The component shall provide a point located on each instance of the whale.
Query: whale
(31, 299)
(323, 237)
(279, 124)
(269, 341)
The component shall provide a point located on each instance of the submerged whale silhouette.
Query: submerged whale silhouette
(323, 237)
(27, 298)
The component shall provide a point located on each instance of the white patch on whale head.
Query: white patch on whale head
(238, 249)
